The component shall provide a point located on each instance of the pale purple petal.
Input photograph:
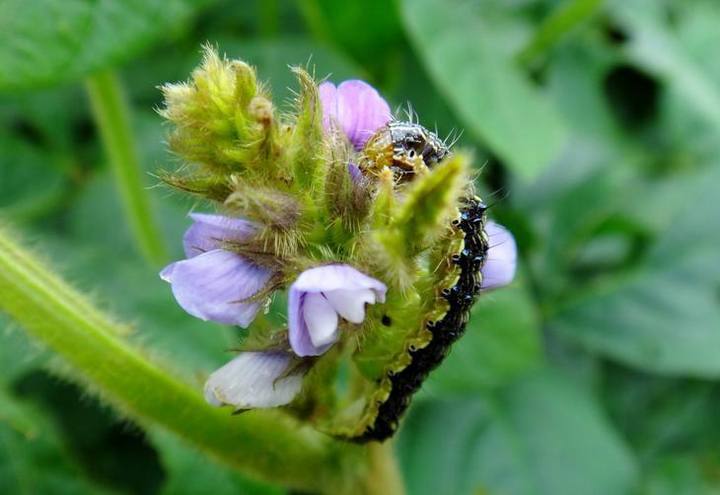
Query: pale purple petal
(253, 380)
(298, 332)
(350, 304)
(337, 276)
(212, 286)
(328, 101)
(166, 273)
(501, 263)
(355, 173)
(321, 320)
(208, 232)
(356, 107)
(345, 289)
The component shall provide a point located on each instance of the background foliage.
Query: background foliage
(597, 130)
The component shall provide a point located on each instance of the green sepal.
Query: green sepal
(420, 219)
(430, 200)
(307, 147)
(209, 186)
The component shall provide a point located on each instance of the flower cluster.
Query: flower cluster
(234, 264)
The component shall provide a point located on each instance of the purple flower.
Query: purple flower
(254, 380)
(322, 295)
(501, 262)
(214, 283)
(356, 108)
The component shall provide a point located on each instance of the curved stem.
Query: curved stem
(555, 26)
(111, 114)
(267, 445)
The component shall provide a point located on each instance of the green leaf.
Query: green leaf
(501, 342)
(575, 79)
(17, 354)
(663, 316)
(654, 46)
(681, 475)
(189, 471)
(467, 60)
(48, 41)
(32, 459)
(542, 435)
(28, 181)
(661, 416)
(381, 36)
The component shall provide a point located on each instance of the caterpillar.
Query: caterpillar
(399, 144)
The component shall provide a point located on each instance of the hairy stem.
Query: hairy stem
(555, 26)
(111, 114)
(265, 445)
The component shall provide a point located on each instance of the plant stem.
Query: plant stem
(555, 26)
(112, 117)
(267, 445)
(384, 476)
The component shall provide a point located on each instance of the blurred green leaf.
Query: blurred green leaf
(471, 68)
(17, 354)
(664, 315)
(662, 416)
(381, 38)
(681, 475)
(29, 182)
(190, 471)
(49, 119)
(47, 41)
(272, 58)
(575, 79)
(655, 46)
(542, 435)
(502, 341)
(32, 459)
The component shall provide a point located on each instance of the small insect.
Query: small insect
(406, 148)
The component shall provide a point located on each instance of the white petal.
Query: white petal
(350, 304)
(321, 320)
(251, 380)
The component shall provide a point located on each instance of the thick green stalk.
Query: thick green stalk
(265, 445)
(555, 26)
(113, 120)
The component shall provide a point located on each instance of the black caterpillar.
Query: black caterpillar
(448, 329)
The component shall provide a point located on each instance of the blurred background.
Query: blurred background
(596, 128)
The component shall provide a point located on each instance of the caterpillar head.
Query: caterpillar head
(406, 148)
